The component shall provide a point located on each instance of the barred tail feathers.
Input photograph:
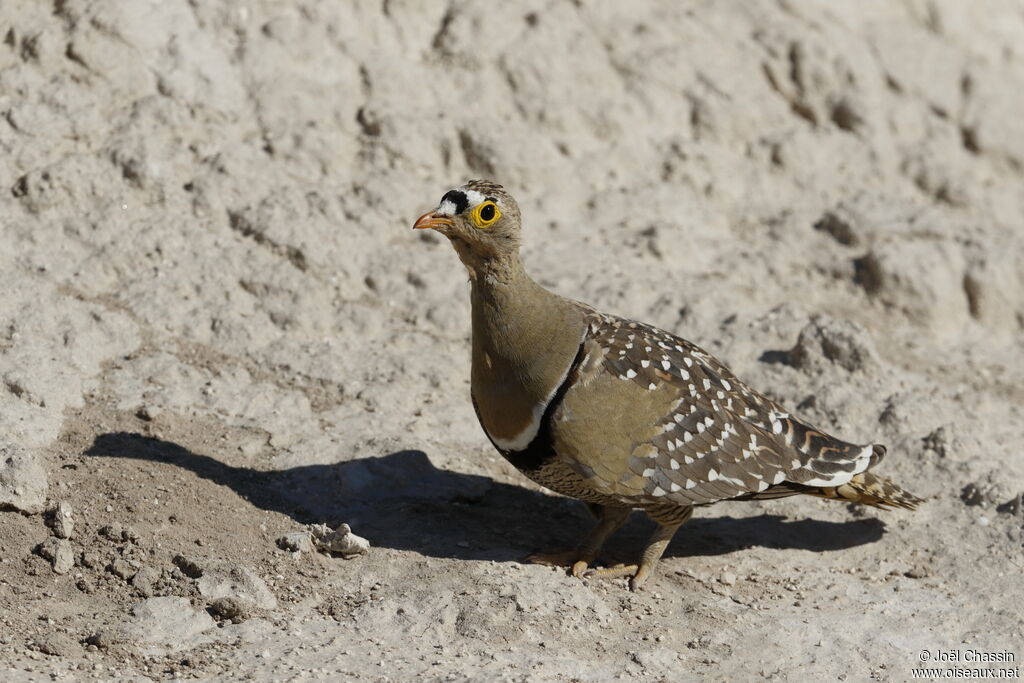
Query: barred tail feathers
(868, 488)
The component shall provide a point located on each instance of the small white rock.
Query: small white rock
(340, 541)
(60, 554)
(61, 520)
(296, 542)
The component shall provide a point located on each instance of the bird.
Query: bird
(620, 414)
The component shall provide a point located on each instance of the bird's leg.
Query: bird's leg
(638, 573)
(652, 553)
(609, 518)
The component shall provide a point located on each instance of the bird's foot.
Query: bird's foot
(567, 558)
(637, 573)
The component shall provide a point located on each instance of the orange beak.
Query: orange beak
(430, 220)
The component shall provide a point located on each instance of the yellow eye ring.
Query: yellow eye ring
(485, 213)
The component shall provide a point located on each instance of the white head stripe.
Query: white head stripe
(447, 208)
(474, 197)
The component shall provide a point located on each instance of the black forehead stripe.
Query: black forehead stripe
(492, 199)
(458, 198)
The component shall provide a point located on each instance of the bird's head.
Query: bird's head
(480, 218)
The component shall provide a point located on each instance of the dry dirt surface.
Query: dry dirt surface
(217, 328)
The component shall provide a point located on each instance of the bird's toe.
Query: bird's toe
(579, 568)
(612, 572)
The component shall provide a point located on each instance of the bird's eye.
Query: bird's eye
(485, 214)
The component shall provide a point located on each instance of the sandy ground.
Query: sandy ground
(216, 327)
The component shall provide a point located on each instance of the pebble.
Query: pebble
(340, 541)
(61, 520)
(232, 609)
(144, 580)
(296, 541)
(148, 412)
(102, 639)
(91, 559)
(121, 568)
(59, 552)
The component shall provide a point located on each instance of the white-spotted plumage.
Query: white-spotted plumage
(728, 439)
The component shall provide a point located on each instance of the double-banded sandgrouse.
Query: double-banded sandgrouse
(620, 414)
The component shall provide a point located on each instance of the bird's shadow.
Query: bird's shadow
(402, 501)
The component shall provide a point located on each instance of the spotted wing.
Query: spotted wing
(720, 439)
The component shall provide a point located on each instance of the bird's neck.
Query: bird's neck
(514, 317)
(524, 340)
